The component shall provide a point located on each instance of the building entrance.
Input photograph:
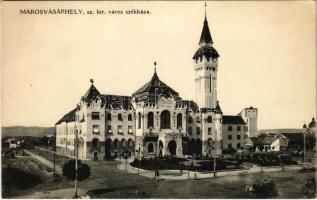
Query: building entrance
(172, 147)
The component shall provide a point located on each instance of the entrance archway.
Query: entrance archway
(160, 149)
(108, 148)
(172, 147)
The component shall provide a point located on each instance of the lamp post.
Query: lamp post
(139, 158)
(54, 155)
(304, 151)
(76, 164)
(126, 160)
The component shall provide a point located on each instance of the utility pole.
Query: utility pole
(76, 165)
(139, 159)
(214, 166)
(54, 155)
(304, 152)
(215, 153)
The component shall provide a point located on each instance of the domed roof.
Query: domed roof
(156, 85)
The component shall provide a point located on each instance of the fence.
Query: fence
(60, 159)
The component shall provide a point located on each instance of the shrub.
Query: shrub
(69, 170)
(265, 190)
(16, 178)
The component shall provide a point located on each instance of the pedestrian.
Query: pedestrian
(158, 174)
(155, 174)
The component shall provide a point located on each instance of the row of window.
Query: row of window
(119, 129)
(165, 119)
(190, 130)
(238, 137)
(96, 116)
(116, 143)
(190, 119)
(165, 114)
(65, 129)
(230, 128)
(230, 145)
(96, 130)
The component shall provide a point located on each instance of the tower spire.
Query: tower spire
(205, 10)
(205, 34)
(155, 67)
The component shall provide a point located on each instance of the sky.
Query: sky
(267, 56)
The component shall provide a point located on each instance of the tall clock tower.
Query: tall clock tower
(206, 68)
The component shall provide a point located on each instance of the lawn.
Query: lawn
(107, 181)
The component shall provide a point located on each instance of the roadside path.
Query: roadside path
(66, 193)
(175, 174)
(44, 161)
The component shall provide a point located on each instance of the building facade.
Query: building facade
(234, 132)
(155, 120)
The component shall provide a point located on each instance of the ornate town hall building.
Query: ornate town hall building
(155, 120)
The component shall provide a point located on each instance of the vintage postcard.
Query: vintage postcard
(158, 99)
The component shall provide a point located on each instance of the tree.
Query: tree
(69, 170)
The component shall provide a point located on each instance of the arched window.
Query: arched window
(150, 120)
(116, 143)
(123, 143)
(165, 119)
(119, 117)
(139, 120)
(95, 143)
(130, 117)
(209, 119)
(150, 148)
(179, 120)
(210, 142)
(190, 119)
(130, 142)
(108, 116)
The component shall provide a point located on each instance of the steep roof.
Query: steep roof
(156, 84)
(91, 92)
(191, 105)
(228, 119)
(205, 33)
(116, 102)
(267, 139)
(206, 42)
(69, 117)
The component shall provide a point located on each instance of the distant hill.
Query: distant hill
(286, 130)
(27, 131)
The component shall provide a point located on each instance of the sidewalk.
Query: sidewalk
(44, 161)
(175, 174)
